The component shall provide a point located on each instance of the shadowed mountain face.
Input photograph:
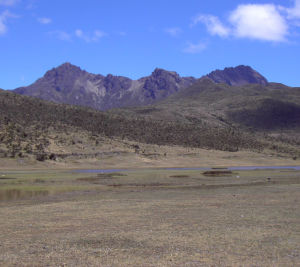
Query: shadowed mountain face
(240, 75)
(71, 85)
(268, 114)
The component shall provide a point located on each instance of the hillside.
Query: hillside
(269, 112)
(31, 127)
(270, 107)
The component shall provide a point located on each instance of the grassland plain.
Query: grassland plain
(150, 217)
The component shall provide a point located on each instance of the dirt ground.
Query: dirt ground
(150, 217)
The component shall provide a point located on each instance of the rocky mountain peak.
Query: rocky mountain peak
(158, 73)
(237, 76)
(64, 69)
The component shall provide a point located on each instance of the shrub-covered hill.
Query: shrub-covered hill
(26, 124)
(255, 107)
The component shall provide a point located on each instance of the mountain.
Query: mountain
(69, 84)
(205, 115)
(237, 76)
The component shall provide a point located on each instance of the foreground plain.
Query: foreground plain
(150, 217)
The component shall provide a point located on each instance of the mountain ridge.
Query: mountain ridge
(70, 84)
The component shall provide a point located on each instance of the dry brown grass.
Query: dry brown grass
(121, 154)
(235, 222)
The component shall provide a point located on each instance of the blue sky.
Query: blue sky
(132, 37)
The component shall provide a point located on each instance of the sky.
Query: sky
(131, 38)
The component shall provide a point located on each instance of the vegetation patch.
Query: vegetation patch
(7, 178)
(101, 176)
(217, 173)
(179, 176)
(141, 185)
(109, 175)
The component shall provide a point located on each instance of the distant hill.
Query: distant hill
(71, 85)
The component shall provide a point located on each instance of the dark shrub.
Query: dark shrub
(41, 157)
(52, 156)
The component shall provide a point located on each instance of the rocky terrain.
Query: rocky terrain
(71, 85)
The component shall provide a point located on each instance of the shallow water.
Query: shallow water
(242, 168)
(101, 170)
(239, 168)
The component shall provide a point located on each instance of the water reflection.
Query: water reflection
(16, 194)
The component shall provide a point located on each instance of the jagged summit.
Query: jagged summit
(70, 84)
(65, 69)
(237, 76)
(161, 72)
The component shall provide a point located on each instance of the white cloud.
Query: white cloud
(213, 25)
(3, 19)
(263, 22)
(61, 35)
(174, 32)
(95, 37)
(194, 48)
(253, 21)
(44, 20)
(9, 2)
